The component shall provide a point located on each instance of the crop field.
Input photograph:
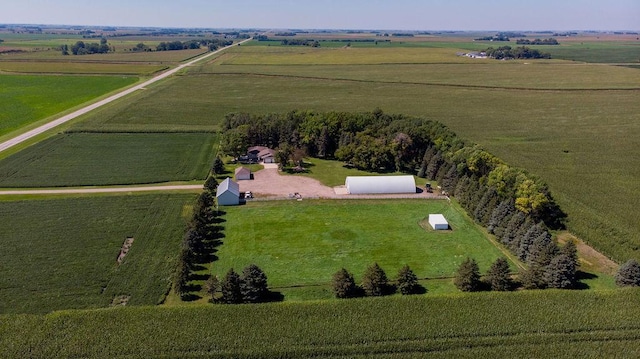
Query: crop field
(26, 99)
(80, 159)
(304, 243)
(572, 124)
(558, 324)
(61, 253)
(79, 68)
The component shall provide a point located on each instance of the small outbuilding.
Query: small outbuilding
(243, 173)
(438, 222)
(228, 193)
(380, 184)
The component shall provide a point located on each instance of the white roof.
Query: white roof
(437, 219)
(380, 184)
(228, 186)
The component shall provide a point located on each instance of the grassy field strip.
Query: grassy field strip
(124, 189)
(35, 132)
(562, 324)
(80, 68)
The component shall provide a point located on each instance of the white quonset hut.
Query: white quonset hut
(438, 222)
(380, 184)
(228, 193)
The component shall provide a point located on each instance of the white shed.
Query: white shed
(438, 222)
(228, 193)
(380, 184)
(243, 173)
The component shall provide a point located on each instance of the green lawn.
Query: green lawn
(76, 159)
(61, 253)
(26, 99)
(304, 243)
(528, 324)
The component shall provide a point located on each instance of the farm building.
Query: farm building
(438, 222)
(243, 173)
(380, 184)
(259, 153)
(228, 193)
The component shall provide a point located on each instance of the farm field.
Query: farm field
(304, 243)
(79, 68)
(26, 99)
(83, 159)
(61, 253)
(568, 130)
(559, 324)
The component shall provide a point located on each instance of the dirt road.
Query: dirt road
(35, 132)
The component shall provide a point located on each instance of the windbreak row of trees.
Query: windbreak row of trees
(87, 48)
(375, 283)
(212, 44)
(549, 41)
(511, 203)
(521, 52)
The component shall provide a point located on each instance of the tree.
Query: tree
(499, 276)
(468, 276)
(375, 282)
(211, 184)
(218, 165)
(230, 288)
(344, 286)
(211, 286)
(253, 285)
(561, 272)
(629, 274)
(181, 278)
(283, 154)
(407, 281)
(533, 277)
(571, 251)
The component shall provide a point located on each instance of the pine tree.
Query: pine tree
(629, 274)
(230, 288)
(499, 276)
(561, 272)
(375, 282)
(468, 276)
(511, 229)
(524, 247)
(253, 285)
(485, 207)
(450, 180)
(211, 184)
(542, 250)
(533, 277)
(500, 217)
(433, 166)
(212, 285)
(570, 250)
(218, 166)
(180, 279)
(344, 286)
(407, 281)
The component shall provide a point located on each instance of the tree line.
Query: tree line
(521, 52)
(375, 283)
(212, 44)
(87, 48)
(549, 41)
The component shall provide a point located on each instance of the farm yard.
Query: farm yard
(571, 120)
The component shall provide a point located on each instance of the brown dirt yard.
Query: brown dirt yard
(268, 183)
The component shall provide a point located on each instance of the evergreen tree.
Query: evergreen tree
(408, 281)
(230, 288)
(450, 180)
(211, 286)
(468, 276)
(181, 277)
(629, 274)
(218, 166)
(529, 237)
(211, 184)
(253, 285)
(344, 286)
(561, 272)
(485, 206)
(511, 230)
(570, 250)
(499, 276)
(533, 277)
(542, 250)
(500, 217)
(375, 281)
(433, 166)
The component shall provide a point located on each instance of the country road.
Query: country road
(124, 189)
(35, 132)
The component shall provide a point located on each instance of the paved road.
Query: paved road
(125, 189)
(27, 135)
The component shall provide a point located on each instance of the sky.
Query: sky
(558, 15)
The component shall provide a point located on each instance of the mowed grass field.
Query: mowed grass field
(575, 125)
(527, 324)
(61, 253)
(81, 159)
(304, 243)
(26, 99)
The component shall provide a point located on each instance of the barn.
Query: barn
(228, 193)
(380, 184)
(438, 222)
(243, 173)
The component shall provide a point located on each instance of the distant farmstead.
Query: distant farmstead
(228, 193)
(380, 184)
(438, 222)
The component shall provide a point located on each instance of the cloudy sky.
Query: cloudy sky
(333, 14)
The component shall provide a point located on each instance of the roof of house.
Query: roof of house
(242, 171)
(256, 149)
(380, 184)
(228, 186)
(267, 152)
